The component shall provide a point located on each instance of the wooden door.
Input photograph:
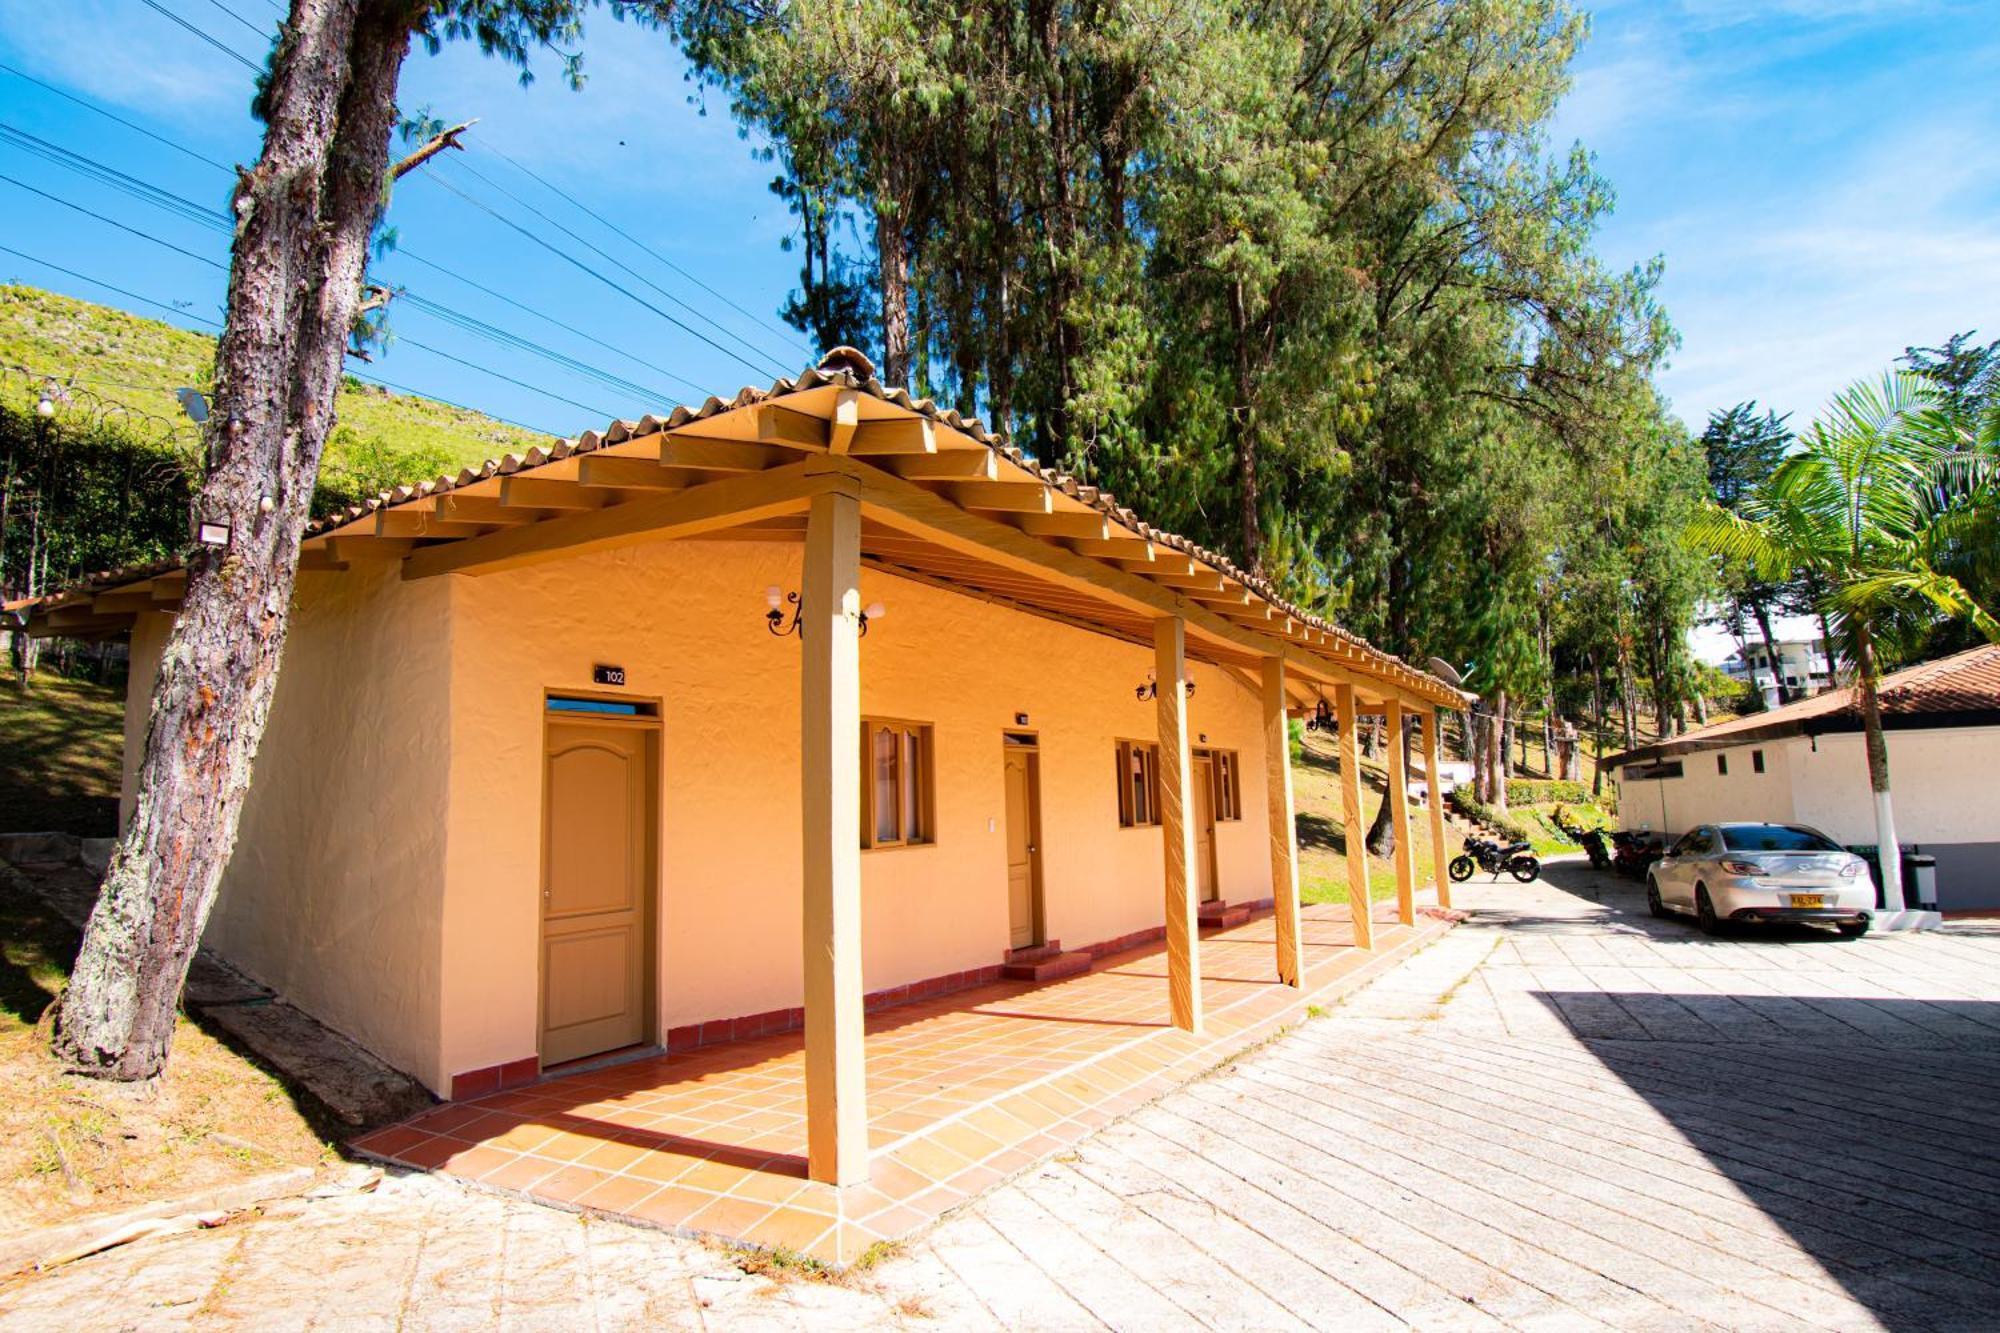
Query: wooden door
(1204, 826)
(598, 858)
(1024, 873)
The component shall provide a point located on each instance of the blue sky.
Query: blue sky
(1823, 180)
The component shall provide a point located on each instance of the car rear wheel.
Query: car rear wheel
(1654, 903)
(1704, 912)
(1853, 930)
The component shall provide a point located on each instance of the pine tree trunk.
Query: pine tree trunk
(1502, 732)
(304, 217)
(1878, 769)
(1763, 619)
(892, 252)
(1249, 525)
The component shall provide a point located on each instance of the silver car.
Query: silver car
(1762, 872)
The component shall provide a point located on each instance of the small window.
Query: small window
(1756, 761)
(897, 801)
(1722, 764)
(1138, 784)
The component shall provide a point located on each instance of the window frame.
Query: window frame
(1756, 761)
(1148, 753)
(906, 731)
(1225, 775)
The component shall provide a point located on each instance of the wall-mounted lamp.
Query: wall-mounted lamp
(1151, 689)
(780, 624)
(1322, 718)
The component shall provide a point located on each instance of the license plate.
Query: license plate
(1808, 900)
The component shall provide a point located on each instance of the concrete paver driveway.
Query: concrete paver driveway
(1564, 1114)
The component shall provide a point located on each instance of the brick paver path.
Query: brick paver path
(1562, 1115)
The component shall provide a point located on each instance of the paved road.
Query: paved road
(1564, 1115)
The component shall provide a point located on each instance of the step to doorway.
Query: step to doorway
(1051, 968)
(1222, 916)
(1034, 953)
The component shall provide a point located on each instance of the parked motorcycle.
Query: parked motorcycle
(1593, 841)
(1633, 854)
(1514, 858)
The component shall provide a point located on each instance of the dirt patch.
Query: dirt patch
(71, 1147)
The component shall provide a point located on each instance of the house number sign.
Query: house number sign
(607, 675)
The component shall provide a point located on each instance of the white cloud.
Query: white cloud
(152, 66)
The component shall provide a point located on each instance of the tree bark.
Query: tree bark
(1763, 619)
(1502, 726)
(1891, 851)
(1249, 524)
(305, 214)
(892, 253)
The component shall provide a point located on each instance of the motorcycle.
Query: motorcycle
(1634, 853)
(1593, 841)
(1515, 858)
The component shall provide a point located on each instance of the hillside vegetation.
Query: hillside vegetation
(111, 356)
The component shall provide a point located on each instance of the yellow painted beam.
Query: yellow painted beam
(1176, 810)
(1284, 826)
(1399, 814)
(830, 792)
(899, 436)
(1347, 743)
(1434, 774)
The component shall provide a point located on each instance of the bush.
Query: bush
(1479, 812)
(1536, 791)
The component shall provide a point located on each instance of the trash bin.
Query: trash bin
(1919, 877)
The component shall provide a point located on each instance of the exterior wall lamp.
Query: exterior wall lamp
(1322, 718)
(781, 624)
(1151, 689)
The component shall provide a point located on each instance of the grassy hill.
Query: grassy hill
(382, 439)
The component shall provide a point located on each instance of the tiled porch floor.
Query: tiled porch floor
(964, 1090)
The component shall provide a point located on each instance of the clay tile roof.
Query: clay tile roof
(847, 368)
(1964, 687)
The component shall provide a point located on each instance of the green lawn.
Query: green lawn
(63, 741)
(1323, 833)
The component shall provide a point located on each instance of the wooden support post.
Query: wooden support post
(1348, 743)
(1284, 828)
(1176, 802)
(1433, 772)
(830, 774)
(1399, 812)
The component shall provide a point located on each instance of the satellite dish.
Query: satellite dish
(193, 404)
(1446, 672)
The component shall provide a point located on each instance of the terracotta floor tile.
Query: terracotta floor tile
(617, 1194)
(729, 1217)
(430, 1154)
(521, 1173)
(672, 1206)
(663, 1167)
(391, 1141)
(613, 1155)
(567, 1184)
(791, 1229)
(474, 1162)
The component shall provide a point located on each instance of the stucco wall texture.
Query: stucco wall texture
(387, 873)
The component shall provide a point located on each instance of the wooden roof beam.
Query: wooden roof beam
(794, 430)
(626, 473)
(691, 451)
(484, 509)
(1066, 525)
(1011, 497)
(946, 465)
(542, 493)
(418, 523)
(898, 436)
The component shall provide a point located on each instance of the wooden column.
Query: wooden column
(1399, 812)
(1433, 771)
(830, 773)
(1176, 802)
(1348, 744)
(1284, 828)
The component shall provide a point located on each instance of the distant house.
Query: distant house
(1801, 664)
(1804, 763)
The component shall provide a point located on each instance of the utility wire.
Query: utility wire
(113, 222)
(99, 282)
(790, 336)
(229, 51)
(134, 126)
(601, 413)
(614, 261)
(568, 258)
(480, 328)
(261, 33)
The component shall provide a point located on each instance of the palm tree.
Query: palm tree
(1882, 490)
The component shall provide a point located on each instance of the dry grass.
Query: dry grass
(64, 742)
(71, 1146)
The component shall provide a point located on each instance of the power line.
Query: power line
(416, 258)
(576, 203)
(599, 412)
(186, 209)
(229, 51)
(568, 258)
(492, 333)
(99, 282)
(134, 126)
(623, 267)
(240, 19)
(113, 222)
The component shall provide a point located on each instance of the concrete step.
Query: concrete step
(1035, 953)
(1048, 969)
(1221, 916)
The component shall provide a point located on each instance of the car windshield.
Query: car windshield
(1776, 838)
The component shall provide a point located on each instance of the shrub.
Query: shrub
(1536, 791)
(1479, 812)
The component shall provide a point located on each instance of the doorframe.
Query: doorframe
(1038, 908)
(647, 720)
(1200, 757)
